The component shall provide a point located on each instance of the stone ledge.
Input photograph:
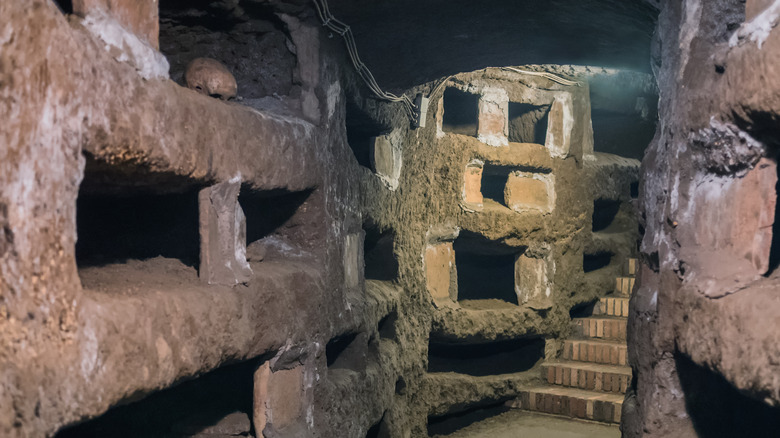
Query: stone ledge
(451, 393)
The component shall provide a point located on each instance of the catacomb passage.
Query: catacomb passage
(335, 218)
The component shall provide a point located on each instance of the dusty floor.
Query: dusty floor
(520, 424)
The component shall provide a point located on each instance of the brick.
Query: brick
(526, 191)
(439, 263)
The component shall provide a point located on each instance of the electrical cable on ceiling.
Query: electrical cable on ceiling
(329, 21)
(544, 74)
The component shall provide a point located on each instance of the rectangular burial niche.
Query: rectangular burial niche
(485, 359)
(604, 213)
(380, 260)
(447, 424)
(219, 402)
(596, 261)
(361, 128)
(718, 410)
(494, 178)
(461, 112)
(528, 122)
(122, 216)
(486, 271)
(278, 223)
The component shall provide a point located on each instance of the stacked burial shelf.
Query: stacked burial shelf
(489, 290)
(142, 224)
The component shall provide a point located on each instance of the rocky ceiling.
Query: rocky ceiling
(408, 42)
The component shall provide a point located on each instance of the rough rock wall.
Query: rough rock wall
(84, 100)
(440, 213)
(703, 331)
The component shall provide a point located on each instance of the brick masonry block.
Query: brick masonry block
(527, 191)
(439, 270)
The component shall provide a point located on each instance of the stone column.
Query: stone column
(222, 235)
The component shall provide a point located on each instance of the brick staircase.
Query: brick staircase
(589, 381)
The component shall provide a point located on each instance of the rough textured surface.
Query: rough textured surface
(707, 203)
(105, 327)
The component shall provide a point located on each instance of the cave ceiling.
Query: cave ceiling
(408, 42)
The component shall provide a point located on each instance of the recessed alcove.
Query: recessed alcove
(596, 261)
(243, 39)
(115, 228)
(461, 112)
(347, 352)
(528, 122)
(379, 430)
(494, 179)
(485, 359)
(387, 325)
(361, 130)
(378, 251)
(485, 271)
(218, 400)
(604, 213)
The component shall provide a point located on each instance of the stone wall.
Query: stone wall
(289, 263)
(702, 332)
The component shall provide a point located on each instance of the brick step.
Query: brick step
(590, 376)
(595, 351)
(602, 327)
(571, 402)
(624, 285)
(612, 306)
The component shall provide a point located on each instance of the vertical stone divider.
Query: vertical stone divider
(278, 399)
(472, 183)
(222, 235)
(532, 282)
(560, 123)
(493, 117)
(386, 158)
(440, 273)
(352, 258)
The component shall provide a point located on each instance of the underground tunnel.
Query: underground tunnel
(333, 218)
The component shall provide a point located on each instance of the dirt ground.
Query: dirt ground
(520, 424)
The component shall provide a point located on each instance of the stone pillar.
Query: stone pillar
(352, 257)
(532, 285)
(386, 160)
(277, 399)
(560, 122)
(472, 184)
(493, 122)
(222, 235)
